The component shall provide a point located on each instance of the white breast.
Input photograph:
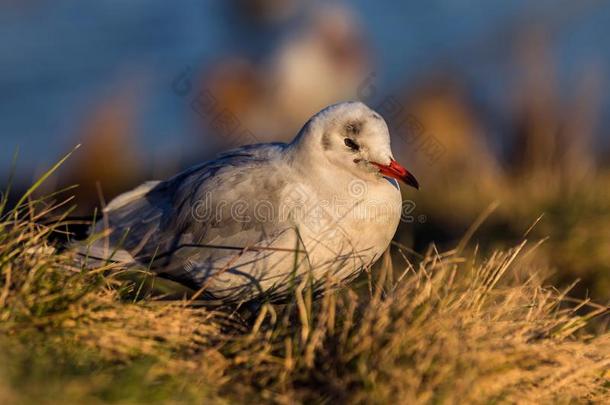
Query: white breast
(336, 234)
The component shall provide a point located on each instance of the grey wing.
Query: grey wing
(187, 219)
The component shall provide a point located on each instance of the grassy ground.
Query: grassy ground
(450, 327)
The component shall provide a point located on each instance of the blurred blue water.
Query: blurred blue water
(58, 59)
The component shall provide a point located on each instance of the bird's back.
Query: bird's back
(172, 225)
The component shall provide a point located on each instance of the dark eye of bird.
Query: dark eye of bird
(351, 144)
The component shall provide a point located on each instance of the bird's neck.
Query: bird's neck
(313, 167)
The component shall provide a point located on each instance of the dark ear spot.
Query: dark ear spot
(325, 141)
(353, 128)
(376, 116)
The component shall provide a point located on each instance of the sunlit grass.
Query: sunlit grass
(443, 328)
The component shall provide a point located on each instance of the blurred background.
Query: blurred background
(488, 102)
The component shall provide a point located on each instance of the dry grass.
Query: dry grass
(435, 329)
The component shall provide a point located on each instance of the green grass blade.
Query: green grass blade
(43, 178)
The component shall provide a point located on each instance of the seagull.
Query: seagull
(262, 218)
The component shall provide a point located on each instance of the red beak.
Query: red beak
(396, 171)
